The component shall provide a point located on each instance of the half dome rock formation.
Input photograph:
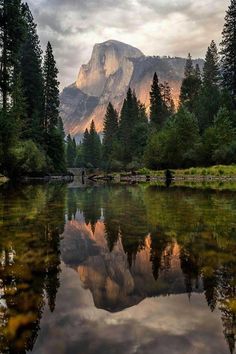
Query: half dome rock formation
(113, 67)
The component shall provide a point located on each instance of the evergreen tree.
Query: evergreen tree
(228, 50)
(86, 148)
(51, 123)
(32, 78)
(94, 146)
(158, 110)
(11, 36)
(208, 102)
(211, 70)
(70, 151)
(110, 132)
(51, 91)
(167, 99)
(190, 86)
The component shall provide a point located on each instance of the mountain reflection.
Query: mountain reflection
(130, 243)
(126, 243)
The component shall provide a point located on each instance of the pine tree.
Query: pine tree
(208, 102)
(11, 36)
(94, 146)
(32, 78)
(158, 111)
(190, 86)
(110, 131)
(51, 90)
(86, 147)
(51, 124)
(167, 99)
(228, 50)
(211, 69)
(70, 151)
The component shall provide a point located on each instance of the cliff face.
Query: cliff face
(114, 284)
(113, 67)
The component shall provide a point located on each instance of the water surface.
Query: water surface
(117, 269)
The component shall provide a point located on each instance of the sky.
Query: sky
(156, 27)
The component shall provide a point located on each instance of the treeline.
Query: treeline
(31, 131)
(201, 131)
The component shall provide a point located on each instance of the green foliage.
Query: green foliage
(92, 148)
(29, 160)
(161, 104)
(228, 50)
(70, 151)
(110, 136)
(190, 86)
(176, 145)
(32, 77)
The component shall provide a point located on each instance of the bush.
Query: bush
(29, 159)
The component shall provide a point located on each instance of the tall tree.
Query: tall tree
(51, 90)
(158, 111)
(11, 36)
(95, 146)
(110, 131)
(32, 78)
(208, 102)
(70, 151)
(228, 50)
(92, 147)
(51, 123)
(190, 86)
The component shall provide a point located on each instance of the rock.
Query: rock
(113, 67)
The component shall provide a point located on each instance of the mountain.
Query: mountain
(113, 67)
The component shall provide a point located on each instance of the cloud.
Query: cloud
(157, 27)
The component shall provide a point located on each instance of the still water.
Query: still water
(117, 269)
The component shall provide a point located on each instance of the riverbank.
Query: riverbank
(218, 172)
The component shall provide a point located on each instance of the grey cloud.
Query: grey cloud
(157, 27)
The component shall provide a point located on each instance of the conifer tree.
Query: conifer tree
(94, 146)
(54, 141)
(158, 111)
(228, 50)
(86, 148)
(11, 36)
(32, 78)
(209, 97)
(110, 131)
(70, 151)
(190, 86)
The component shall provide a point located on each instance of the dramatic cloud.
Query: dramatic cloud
(157, 27)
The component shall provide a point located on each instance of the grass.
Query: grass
(214, 171)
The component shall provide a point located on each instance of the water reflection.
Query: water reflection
(128, 246)
(132, 243)
(31, 222)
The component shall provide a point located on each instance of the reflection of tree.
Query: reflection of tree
(29, 262)
(160, 252)
(198, 221)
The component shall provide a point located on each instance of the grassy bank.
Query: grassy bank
(196, 172)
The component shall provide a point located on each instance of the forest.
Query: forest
(200, 131)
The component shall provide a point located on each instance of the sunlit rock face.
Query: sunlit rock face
(114, 283)
(113, 67)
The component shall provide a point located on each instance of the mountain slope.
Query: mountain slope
(113, 67)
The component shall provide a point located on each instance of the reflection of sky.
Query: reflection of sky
(163, 325)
